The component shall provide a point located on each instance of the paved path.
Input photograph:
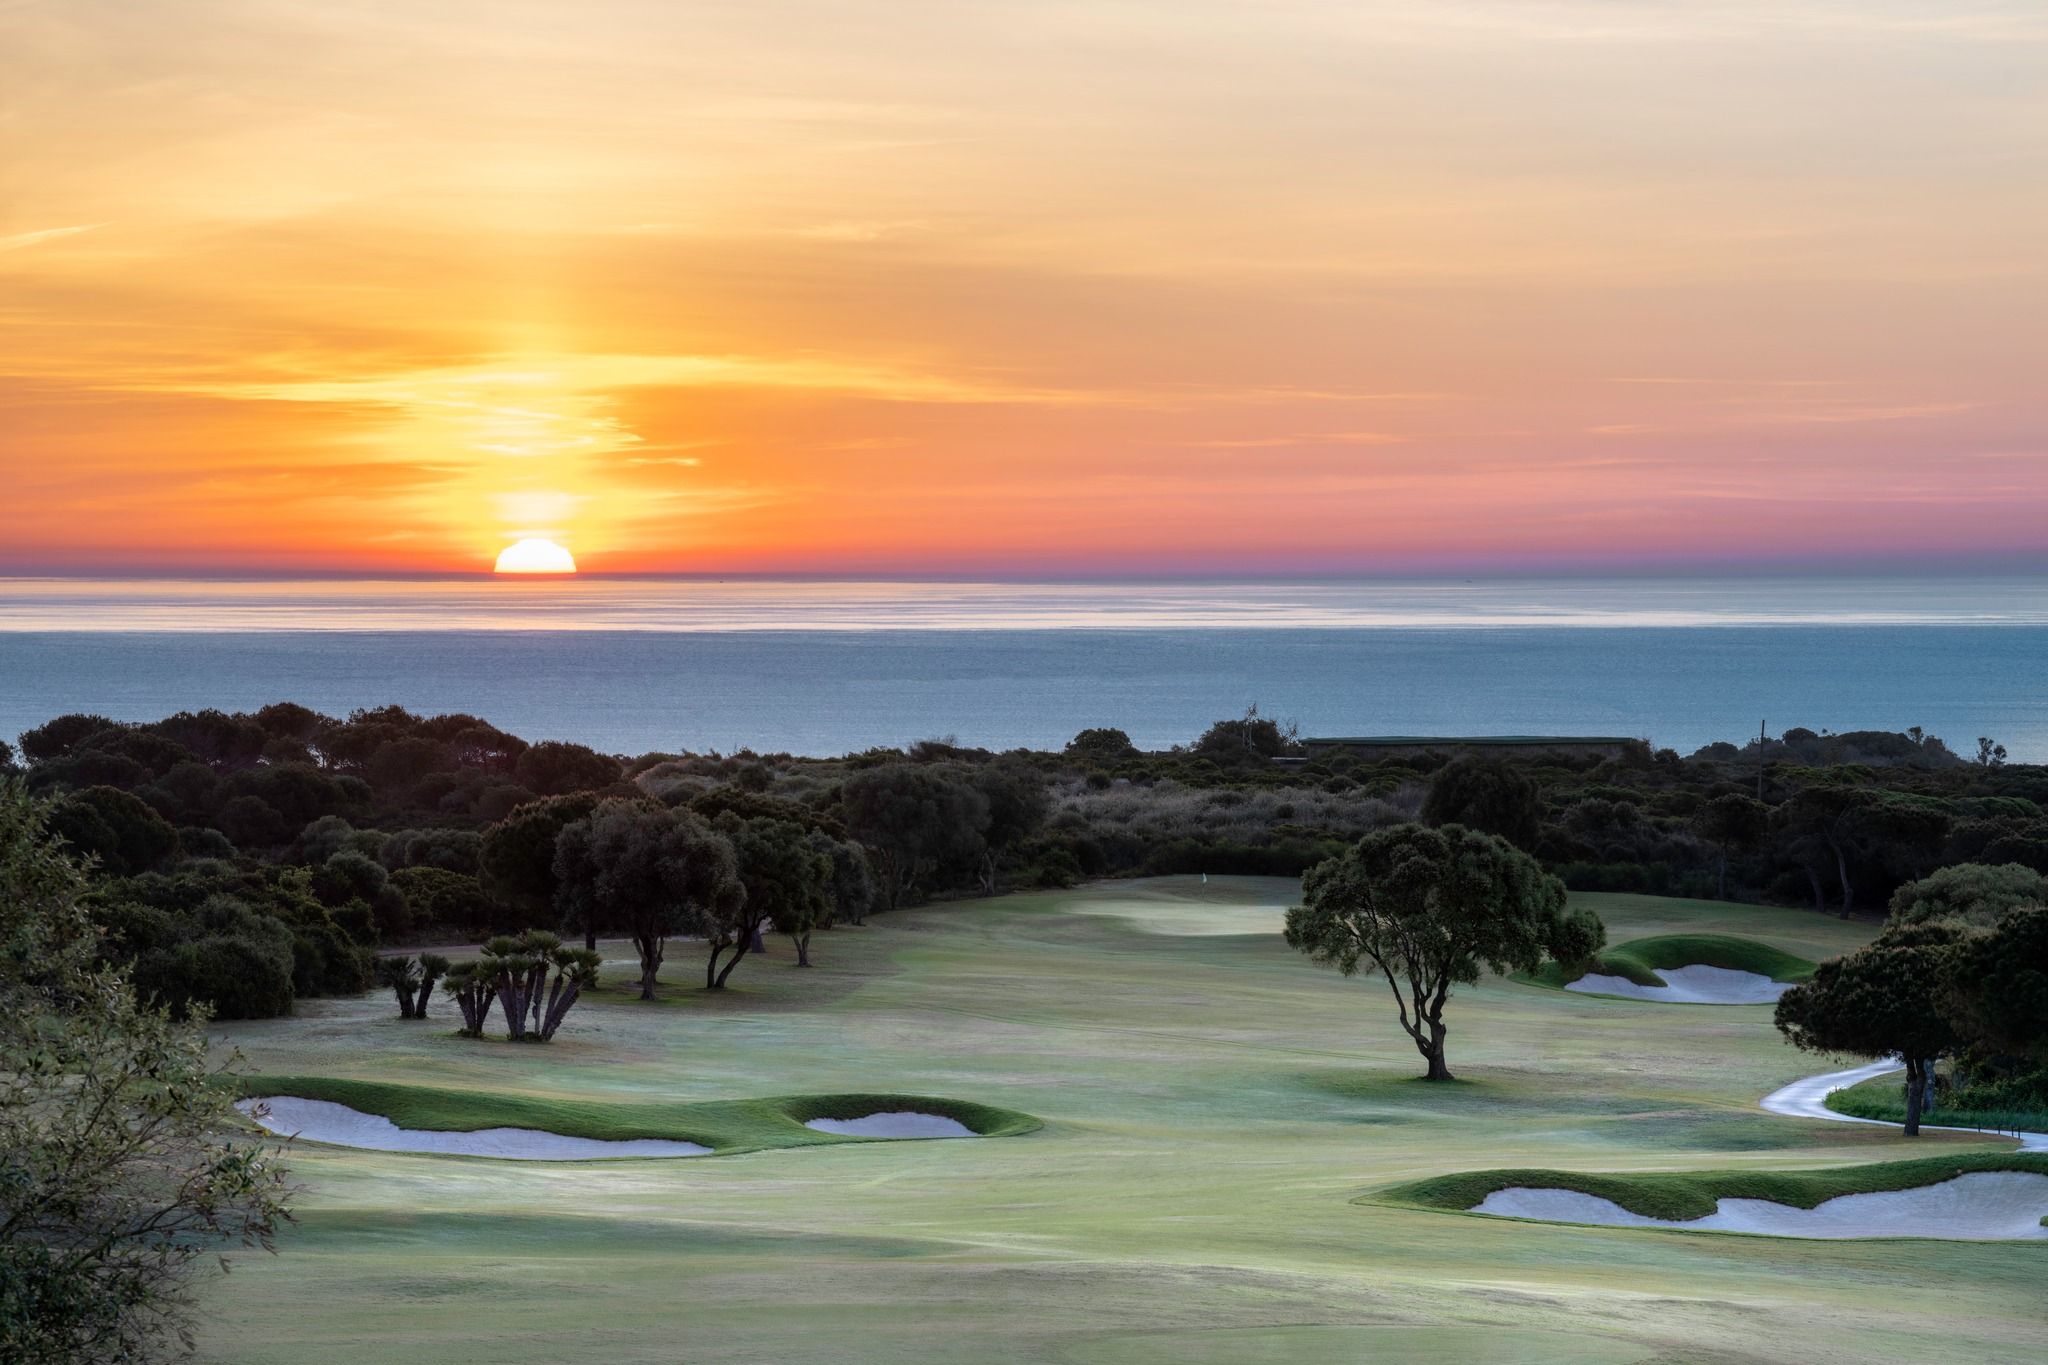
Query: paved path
(1807, 1099)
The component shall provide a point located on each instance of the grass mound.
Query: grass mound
(725, 1126)
(1685, 1195)
(1642, 959)
(1884, 1098)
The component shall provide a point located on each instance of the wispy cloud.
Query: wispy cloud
(21, 240)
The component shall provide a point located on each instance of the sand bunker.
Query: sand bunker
(1689, 986)
(896, 1123)
(1981, 1206)
(325, 1121)
(1807, 1099)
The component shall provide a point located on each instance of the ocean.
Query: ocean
(827, 667)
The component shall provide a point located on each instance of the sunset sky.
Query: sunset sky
(1032, 286)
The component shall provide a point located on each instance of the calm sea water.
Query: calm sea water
(823, 668)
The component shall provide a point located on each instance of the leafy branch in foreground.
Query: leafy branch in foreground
(115, 1174)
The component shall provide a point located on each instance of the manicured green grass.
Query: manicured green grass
(1212, 1105)
(726, 1126)
(1640, 960)
(1884, 1098)
(1687, 1195)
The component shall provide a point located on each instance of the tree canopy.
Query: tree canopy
(651, 871)
(1487, 794)
(1427, 908)
(1880, 1000)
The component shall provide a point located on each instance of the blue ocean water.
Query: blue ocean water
(829, 691)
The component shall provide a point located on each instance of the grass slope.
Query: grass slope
(726, 1126)
(1640, 960)
(1212, 1105)
(1884, 1097)
(1694, 1194)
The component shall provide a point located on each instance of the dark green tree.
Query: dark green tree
(1994, 986)
(789, 885)
(517, 857)
(1491, 795)
(1971, 894)
(651, 871)
(1881, 1000)
(1732, 823)
(119, 1172)
(1427, 908)
(917, 819)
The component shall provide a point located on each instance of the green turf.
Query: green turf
(1694, 1194)
(726, 1126)
(1885, 1098)
(1212, 1105)
(1640, 960)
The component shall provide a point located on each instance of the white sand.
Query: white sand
(896, 1123)
(1980, 1206)
(1689, 986)
(1807, 1099)
(325, 1121)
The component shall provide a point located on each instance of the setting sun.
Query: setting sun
(535, 556)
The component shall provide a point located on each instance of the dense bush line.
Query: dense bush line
(247, 860)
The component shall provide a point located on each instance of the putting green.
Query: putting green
(1212, 1104)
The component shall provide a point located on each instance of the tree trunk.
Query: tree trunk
(1433, 1050)
(1820, 901)
(711, 968)
(803, 949)
(1842, 871)
(650, 964)
(1721, 885)
(739, 951)
(1917, 1069)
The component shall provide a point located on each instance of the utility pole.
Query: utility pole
(1761, 735)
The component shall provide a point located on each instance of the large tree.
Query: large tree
(916, 819)
(653, 872)
(1732, 823)
(516, 860)
(789, 885)
(1018, 805)
(1972, 894)
(1491, 795)
(116, 1181)
(1879, 1001)
(1427, 908)
(1995, 986)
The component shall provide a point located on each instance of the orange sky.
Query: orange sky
(1029, 286)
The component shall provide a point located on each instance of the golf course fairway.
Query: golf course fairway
(1212, 1105)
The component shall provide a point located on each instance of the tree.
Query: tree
(412, 979)
(1250, 738)
(517, 856)
(1880, 1000)
(115, 827)
(853, 883)
(553, 768)
(1426, 908)
(1994, 986)
(916, 819)
(1990, 752)
(56, 738)
(1102, 746)
(1732, 823)
(789, 884)
(1491, 795)
(116, 1178)
(1018, 805)
(1825, 823)
(1972, 894)
(475, 988)
(652, 871)
(517, 970)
